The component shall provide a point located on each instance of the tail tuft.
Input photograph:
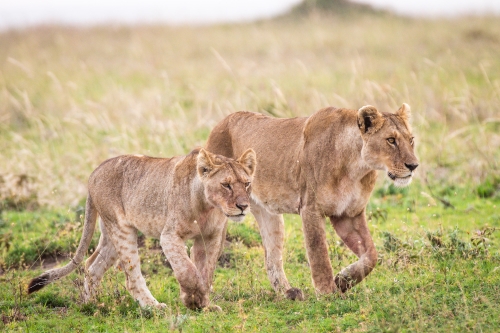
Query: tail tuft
(38, 283)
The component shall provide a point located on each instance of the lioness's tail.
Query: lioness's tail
(57, 273)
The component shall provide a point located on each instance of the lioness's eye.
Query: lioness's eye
(247, 184)
(391, 141)
(411, 141)
(226, 185)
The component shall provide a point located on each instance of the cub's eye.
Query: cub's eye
(247, 184)
(226, 185)
(412, 141)
(391, 141)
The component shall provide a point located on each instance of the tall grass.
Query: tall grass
(72, 97)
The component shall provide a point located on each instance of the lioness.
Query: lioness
(319, 166)
(173, 199)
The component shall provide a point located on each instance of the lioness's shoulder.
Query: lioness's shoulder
(328, 119)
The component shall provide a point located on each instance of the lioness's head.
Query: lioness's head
(388, 142)
(227, 182)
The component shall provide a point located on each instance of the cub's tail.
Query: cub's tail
(57, 273)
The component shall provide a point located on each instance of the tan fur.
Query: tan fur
(172, 199)
(319, 166)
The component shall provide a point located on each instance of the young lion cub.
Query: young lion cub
(173, 199)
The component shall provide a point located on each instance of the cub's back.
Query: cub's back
(130, 183)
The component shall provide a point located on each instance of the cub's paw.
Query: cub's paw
(161, 306)
(294, 294)
(195, 300)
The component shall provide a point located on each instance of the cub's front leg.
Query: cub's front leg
(194, 290)
(205, 252)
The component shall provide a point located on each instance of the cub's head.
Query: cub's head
(388, 142)
(227, 182)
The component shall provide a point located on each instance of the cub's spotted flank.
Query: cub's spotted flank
(173, 199)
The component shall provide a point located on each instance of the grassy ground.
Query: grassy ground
(438, 271)
(70, 98)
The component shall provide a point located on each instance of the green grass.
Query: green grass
(73, 97)
(38, 241)
(438, 271)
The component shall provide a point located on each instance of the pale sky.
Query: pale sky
(19, 13)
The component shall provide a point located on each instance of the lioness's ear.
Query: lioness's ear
(404, 112)
(369, 119)
(205, 163)
(249, 160)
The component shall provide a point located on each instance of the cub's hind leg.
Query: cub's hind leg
(272, 230)
(97, 264)
(124, 239)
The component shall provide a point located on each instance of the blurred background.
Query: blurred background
(22, 13)
(82, 81)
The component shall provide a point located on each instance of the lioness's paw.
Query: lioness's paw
(294, 294)
(343, 282)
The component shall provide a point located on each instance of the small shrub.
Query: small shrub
(52, 300)
(88, 309)
(488, 188)
(450, 244)
(391, 243)
(17, 192)
(390, 189)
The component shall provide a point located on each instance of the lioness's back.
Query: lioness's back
(276, 141)
(230, 136)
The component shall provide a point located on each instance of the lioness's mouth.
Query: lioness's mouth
(237, 215)
(394, 177)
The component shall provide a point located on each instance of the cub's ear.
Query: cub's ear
(249, 161)
(404, 112)
(205, 163)
(369, 119)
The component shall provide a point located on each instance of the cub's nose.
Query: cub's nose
(411, 166)
(242, 206)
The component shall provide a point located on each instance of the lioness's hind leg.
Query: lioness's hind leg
(125, 242)
(101, 260)
(272, 230)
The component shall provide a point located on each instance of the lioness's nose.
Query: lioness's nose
(242, 206)
(411, 166)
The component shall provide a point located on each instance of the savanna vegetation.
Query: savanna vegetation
(73, 97)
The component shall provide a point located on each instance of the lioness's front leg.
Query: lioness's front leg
(313, 224)
(194, 290)
(355, 234)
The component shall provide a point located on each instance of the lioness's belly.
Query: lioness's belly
(285, 203)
